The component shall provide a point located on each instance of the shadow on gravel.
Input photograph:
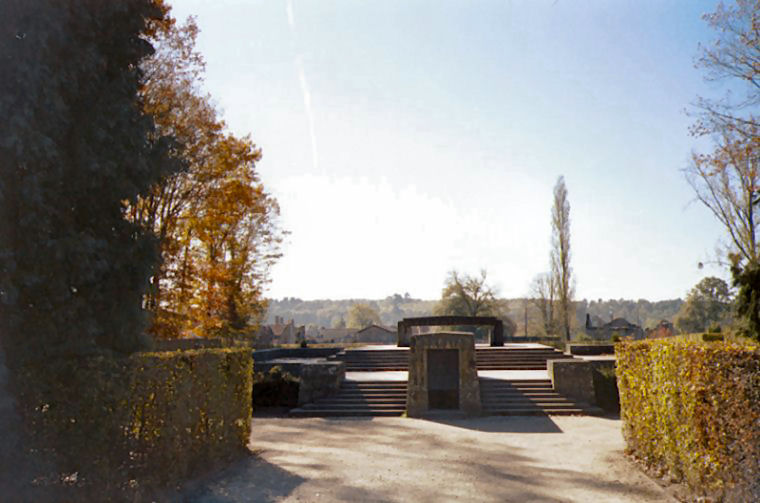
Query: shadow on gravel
(502, 424)
(250, 479)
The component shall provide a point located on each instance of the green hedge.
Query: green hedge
(147, 420)
(693, 409)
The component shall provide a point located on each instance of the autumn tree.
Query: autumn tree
(727, 180)
(217, 226)
(362, 315)
(561, 270)
(75, 144)
(708, 303)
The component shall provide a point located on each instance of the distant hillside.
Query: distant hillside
(327, 313)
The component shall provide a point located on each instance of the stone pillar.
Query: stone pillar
(402, 334)
(497, 336)
(418, 388)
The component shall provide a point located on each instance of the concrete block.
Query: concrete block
(573, 378)
(319, 380)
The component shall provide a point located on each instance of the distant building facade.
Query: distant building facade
(335, 335)
(618, 327)
(281, 332)
(662, 330)
(375, 334)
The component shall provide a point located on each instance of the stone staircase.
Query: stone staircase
(375, 360)
(488, 358)
(506, 358)
(359, 398)
(527, 398)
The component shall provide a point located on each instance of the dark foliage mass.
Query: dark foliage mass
(123, 425)
(75, 145)
(747, 280)
(274, 389)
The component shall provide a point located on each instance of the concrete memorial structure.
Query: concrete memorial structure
(405, 326)
(442, 374)
(573, 378)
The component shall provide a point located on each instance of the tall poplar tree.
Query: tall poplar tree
(560, 256)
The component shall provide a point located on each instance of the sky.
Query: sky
(404, 139)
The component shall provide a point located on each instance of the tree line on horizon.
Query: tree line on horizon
(328, 312)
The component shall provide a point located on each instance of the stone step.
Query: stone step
(373, 385)
(353, 406)
(379, 401)
(537, 411)
(373, 392)
(401, 397)
(511, 404)
(345, 413)
(362, 389)
(514, 384)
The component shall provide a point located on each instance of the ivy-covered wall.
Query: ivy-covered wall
(692, 409)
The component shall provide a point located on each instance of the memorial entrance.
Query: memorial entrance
(443, 378)
(442, 374)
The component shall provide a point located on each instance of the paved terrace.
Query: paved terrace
(493, 374)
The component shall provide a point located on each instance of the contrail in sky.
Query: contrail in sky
(304, 88)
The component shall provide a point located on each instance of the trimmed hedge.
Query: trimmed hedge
(693, 409)
(148, 420)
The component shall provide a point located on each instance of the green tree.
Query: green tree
(75, 144)
(362, 315)
(561, 271)
(707, 303)
(465, 295)
(338, 322)
(747, 279)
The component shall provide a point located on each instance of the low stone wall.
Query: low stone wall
(573, 378)
(186, 344)
(290, 365)
(319, 379)
(575, 348)
(262, 355)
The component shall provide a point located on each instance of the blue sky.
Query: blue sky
(404, 139)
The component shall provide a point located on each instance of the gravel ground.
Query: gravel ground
(520, 459)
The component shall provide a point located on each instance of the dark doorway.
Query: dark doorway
(443, 378)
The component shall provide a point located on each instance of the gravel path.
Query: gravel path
(518, 459)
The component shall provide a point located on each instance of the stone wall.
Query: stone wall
(319, 379)
(573, 378)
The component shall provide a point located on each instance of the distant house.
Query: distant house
(375, 334)
(264, 338)
(336, 335)
(286, 333)
(662, 330)
(618, 327)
